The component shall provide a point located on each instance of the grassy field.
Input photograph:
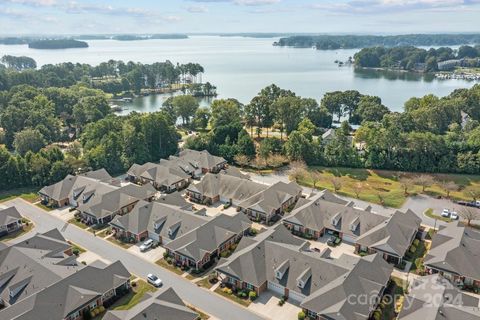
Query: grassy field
(78, 223)
(383, 187)
(133, 297)
(28, 193)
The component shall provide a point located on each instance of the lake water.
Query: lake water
(240, 67)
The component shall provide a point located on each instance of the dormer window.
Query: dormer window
(336, 219)
(282, 268)
(355, 223)
(304, 277)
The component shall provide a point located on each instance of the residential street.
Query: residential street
(205, 300)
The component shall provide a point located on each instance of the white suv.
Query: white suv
(154, 280)
(446, 213)
(146, 245)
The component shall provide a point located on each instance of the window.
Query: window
(249, 287)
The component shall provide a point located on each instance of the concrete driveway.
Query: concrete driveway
(63, 214)
(342, 248)
(267, 305)
(151, 255)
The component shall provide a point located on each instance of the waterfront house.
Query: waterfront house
(10, 221)
(120, 201)
(203, 245)
(79, 189)
(455, 254)
(159, 222)
(165, 305)
(281, 263)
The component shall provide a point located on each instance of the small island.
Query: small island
(57, 44)
(133, 37)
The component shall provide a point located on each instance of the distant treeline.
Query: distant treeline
(333, 42)
(57, 44)
(111, 76)
(412, 58)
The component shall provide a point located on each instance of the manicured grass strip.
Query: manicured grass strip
(119, 242)
(77, 247)
(429, 213)
(204, 283)
(78, 223)
(26, 228)
(135, 296)
(164, 264)
(27, 193)
(234, 298)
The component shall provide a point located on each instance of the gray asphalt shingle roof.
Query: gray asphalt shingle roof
(435, 298)
(456, 249)
(393, 235)
(226, 186)
(145, 215)
(9, 215)
(319, 211)
(165, 305)
(34, 264)
(69, 294)
(327, 282)
(201, 159)
(272, 198)
(209, 236)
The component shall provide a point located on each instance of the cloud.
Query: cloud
(378, 6)
(242, 2)
(197, 9)
(32, 3)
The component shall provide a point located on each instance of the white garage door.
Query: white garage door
(348, 238)
(296, 296)
(276, 288)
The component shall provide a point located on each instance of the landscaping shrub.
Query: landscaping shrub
(165, 254)
(301, 315)
(134, 284)
(413, 249)
(227, 290)
(416, 242)
(83, 262)
(252, 295)
(76, 251)
(281, 302)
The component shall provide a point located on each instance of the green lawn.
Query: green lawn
(78, 223)
(132, 298)
(234, 298)
(164, 264)
(417, 257)
(429, 213)
(383, 187)
(119, 242)
(76, 246)
(26, 228)
(27, 193)
(204, 283)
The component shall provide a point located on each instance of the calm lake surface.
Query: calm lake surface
(240, 67)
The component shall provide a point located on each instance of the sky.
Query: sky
(34, 17)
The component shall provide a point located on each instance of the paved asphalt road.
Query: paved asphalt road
(205, 300)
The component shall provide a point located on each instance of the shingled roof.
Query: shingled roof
(34, 264)
(69, 294)
(272, 197)
(393, 235)
(319, 211)
(201, 159)
(456, 249)
(209, 236)
(435, 298)
(325, 282)
(165, 305)
(9, 215)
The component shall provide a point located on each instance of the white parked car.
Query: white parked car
(146, 245)
(454, 215)
(154, 280)
(446, 213)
